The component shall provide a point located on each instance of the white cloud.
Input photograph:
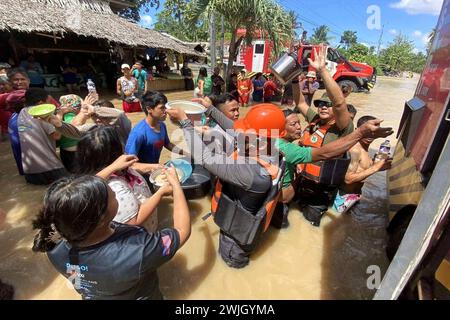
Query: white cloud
(425, 38)
(416, 51)
(146, 20)
(394, 32)
(419, 6)
(417, 33)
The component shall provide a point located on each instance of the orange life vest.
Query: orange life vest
(314, 140)
(255, 222)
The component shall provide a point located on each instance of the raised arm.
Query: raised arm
(211, 111)
(181, 217)
(299, 99)
(334, 92)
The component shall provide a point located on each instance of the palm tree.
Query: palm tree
(320, 35)
(264, 15)
(349, 38)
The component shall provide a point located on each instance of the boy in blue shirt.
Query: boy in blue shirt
(149, 136)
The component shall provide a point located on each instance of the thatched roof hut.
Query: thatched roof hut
(85, 18)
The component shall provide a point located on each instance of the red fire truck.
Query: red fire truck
(257, 57)
(419, 184)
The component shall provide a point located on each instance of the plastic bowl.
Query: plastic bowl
(197, 186)
(42, 110)
(183, 165)
(194, 110)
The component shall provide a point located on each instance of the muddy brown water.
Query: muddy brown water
(301, 262)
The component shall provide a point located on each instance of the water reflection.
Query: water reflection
(302, 262)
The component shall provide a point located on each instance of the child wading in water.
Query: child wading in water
(105, 259)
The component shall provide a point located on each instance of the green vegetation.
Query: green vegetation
(173, 20)
(320, 35)
(399, 56)
(252, 15)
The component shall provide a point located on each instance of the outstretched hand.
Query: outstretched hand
(123, 162)
(172, 176)
(383, 164)
(206, 102)
(91, 98)
(320, 58)
(372, 129)
(176, 114)
(87, 109)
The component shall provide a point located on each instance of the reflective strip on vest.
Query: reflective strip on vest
(216, 196)
(314, 140)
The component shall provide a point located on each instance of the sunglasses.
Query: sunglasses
(322, 104)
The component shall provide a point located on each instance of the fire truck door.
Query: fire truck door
(332, 61)
(258, 56)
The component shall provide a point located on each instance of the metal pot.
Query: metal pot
(198, 185)
(286, 68)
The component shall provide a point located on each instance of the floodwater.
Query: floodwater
(301, 262)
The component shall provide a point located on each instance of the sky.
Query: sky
(412, 18)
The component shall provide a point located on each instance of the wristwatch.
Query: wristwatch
(184, 123)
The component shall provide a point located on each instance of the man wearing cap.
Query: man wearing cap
(328, 121)
(309, 86)
(127, 87)
(244, 88)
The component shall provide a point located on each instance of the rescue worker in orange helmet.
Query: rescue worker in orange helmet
(249, 181)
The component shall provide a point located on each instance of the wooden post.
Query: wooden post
(13, 44)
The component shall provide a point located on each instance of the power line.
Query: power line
(340, 33)
(324, 19)
(343, 3)
(330, 30)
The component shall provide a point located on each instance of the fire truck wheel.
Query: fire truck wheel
(348, 83)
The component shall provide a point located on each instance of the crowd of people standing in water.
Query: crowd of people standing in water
(261, 164)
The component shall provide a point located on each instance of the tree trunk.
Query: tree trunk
(212, 41)
(231, 54)
(222, 44)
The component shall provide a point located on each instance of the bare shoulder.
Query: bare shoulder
(356, 150)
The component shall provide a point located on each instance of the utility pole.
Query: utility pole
(379, 40)
(212, 38)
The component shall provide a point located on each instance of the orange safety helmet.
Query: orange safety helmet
(263, 118)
